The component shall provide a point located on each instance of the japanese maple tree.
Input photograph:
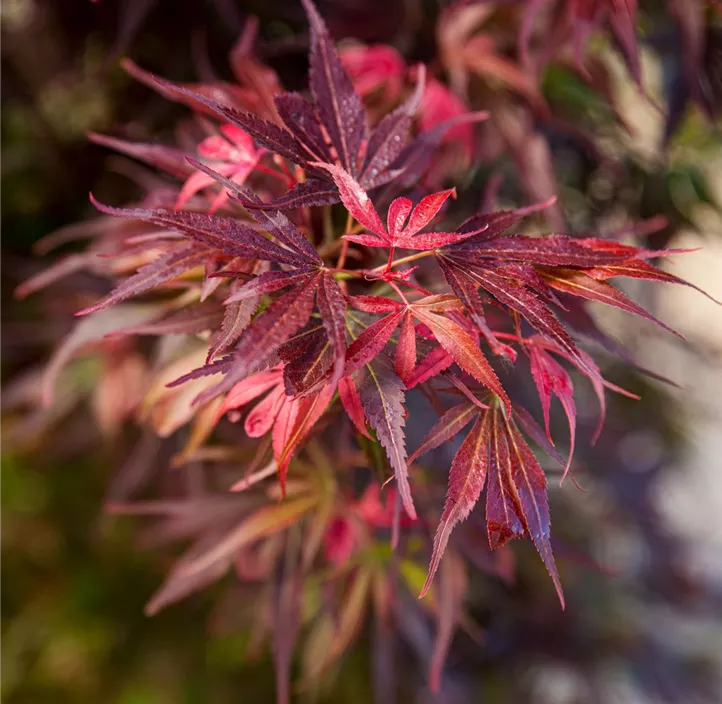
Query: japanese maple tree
(315, 277)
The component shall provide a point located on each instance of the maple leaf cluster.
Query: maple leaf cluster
(317, 277)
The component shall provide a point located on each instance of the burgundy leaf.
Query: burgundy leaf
(332, 306)
(382, 396)
(464, 350)
(406, 348)
(269, 331)
(268, 282)
(165, 268)
(525, 302)
(551, 378)
(503, 521)
(451, 423)
(537, 434)
(226, 234)
(275, 222)
(580, 284)
(338, 105)
(391, 134)
(494, 223)
(371, 341)
(300, 118)
(375, 304)
(528, 485)
(352, 404)
(434, 363)
(466, 481)
(309, 357)
(313, 192)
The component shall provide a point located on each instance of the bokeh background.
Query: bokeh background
(641, 549)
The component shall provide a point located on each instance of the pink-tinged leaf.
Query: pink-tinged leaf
(297, 427)
(261, 419)
(265, 522)
(300, 118)
(434, 363)
(199, 181)
(249, 389)
(382, 397)
(431, 240)
(210, 282)
(165, 268)
(168, 159)
(371, 341)
(551, 378)
(406, 348)
(375, 304)
(528, 485)
(188, 321)
(338, 105)
(391, 135)
(374, 69)
(464, 350)
(269, 282)
(355, 199)
(331, 637)
(449, 606)
(332, 307)
(451, 423)
(253, 478)
(226, 234)
(426, 210)
(88, 331)
(579, 284)
(367, 240)
(352, 404)
(287, 594)
(236, 319)
(397, 215)
(271, 136)
(439, 303)
(58, 270)
(466, 481)
(526, 27)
